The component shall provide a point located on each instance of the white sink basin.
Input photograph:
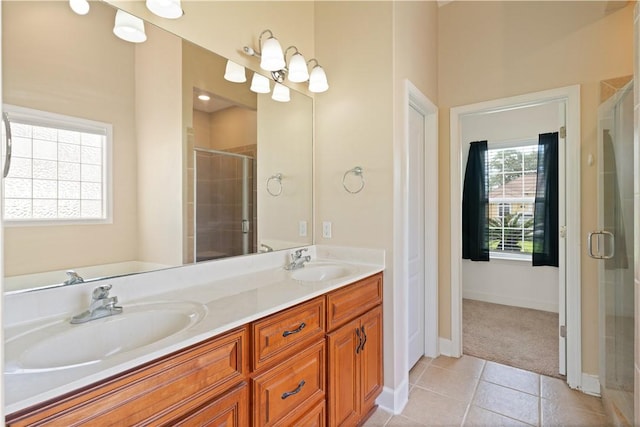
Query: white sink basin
(61, 345)
(317, 272)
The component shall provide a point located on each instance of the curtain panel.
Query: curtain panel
(475, 204)
(545, 216)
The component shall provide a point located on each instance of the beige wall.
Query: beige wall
(232, 127)
(490, 50)
(158, 98)
(47, 71)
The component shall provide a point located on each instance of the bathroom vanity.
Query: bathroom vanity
(270, 350)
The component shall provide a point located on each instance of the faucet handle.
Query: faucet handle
(101, 292)
(299, 252)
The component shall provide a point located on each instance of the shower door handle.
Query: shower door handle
(7, 126)
(599, 254)
(245, 226)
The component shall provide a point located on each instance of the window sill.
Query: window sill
(509, 257)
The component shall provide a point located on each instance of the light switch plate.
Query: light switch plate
(326, 229)
(302, 228)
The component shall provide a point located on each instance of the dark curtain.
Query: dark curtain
(475, 204)
(545, 215)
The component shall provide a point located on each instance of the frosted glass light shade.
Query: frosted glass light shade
(129, 27)
(318, 80)
(260, 84)
(234, 72)
(298, 71)
(81, 7)
(170, 9)
(280, 93)
(272, 58)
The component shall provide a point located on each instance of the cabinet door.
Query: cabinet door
(229, 410)
(371, 358)
(344, 377)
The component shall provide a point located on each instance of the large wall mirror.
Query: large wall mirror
(183, 180)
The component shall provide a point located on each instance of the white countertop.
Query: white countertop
(231, 299)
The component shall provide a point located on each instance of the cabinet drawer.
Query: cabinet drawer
(284, 333)
(154, 393)
(229, 410)
(283, 393)
(314, 418)
(353, 300)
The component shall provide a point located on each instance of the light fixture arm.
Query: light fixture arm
(287, 50)
(260, 40)
(314, 60)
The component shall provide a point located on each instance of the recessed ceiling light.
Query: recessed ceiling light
(204, 97)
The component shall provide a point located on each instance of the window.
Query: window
(512, 191)
(58, 169)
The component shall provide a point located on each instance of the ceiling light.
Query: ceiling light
(317, 79)
(81, 7)
(129, 27)
(280, 93)
(204, 97)
(234, 72)
(170, 9)
(297, 70)
(272, 58)
(260, 84)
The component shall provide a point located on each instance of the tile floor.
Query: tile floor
(473, 392)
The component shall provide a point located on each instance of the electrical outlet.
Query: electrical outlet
(326, 229)
(302, 228)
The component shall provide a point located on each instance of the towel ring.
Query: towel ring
(357, 171)
(278, 179)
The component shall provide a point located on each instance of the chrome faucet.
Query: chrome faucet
(73, 278)
(297, 260)
(102, 305)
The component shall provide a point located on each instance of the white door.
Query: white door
(562, 242)
(416, 244)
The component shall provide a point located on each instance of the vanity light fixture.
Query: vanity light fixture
(318, 78)
(81, 7)
(272, 59)
(260, 84)
(170, 9)
(234, 72)
(129, 27)
(280, 93)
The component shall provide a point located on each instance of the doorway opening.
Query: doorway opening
(563, 105)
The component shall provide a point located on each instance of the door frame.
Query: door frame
(571, 95)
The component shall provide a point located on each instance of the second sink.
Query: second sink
(316, 272)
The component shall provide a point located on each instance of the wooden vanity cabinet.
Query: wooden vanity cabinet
(355, 376)
(289, 365)
(184, 384)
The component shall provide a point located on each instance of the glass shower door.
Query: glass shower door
(613, 245)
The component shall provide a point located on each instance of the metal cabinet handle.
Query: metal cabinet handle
(7, 126)
(364, 338)
(359, 340)
(292, 392)
(295, 331)
(599, 255)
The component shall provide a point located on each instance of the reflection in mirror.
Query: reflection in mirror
(166, 206)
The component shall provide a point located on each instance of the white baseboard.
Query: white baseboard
(511, 300)
(394, 400)
(590, 384)
(445, 346)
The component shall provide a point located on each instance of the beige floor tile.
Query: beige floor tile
(378, 419)
(557, 390)
(428, 408)
(417, 370)
(511, 403)
(482, 418)
(465, 365)
(400, 421)
(554, 413)
(449, 383)
(515, 378)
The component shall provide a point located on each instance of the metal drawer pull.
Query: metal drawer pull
(359, 340)
(364, 339)
(295, 331)
(296, 391)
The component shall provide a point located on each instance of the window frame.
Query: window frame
(67, 122)
(506, 145)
